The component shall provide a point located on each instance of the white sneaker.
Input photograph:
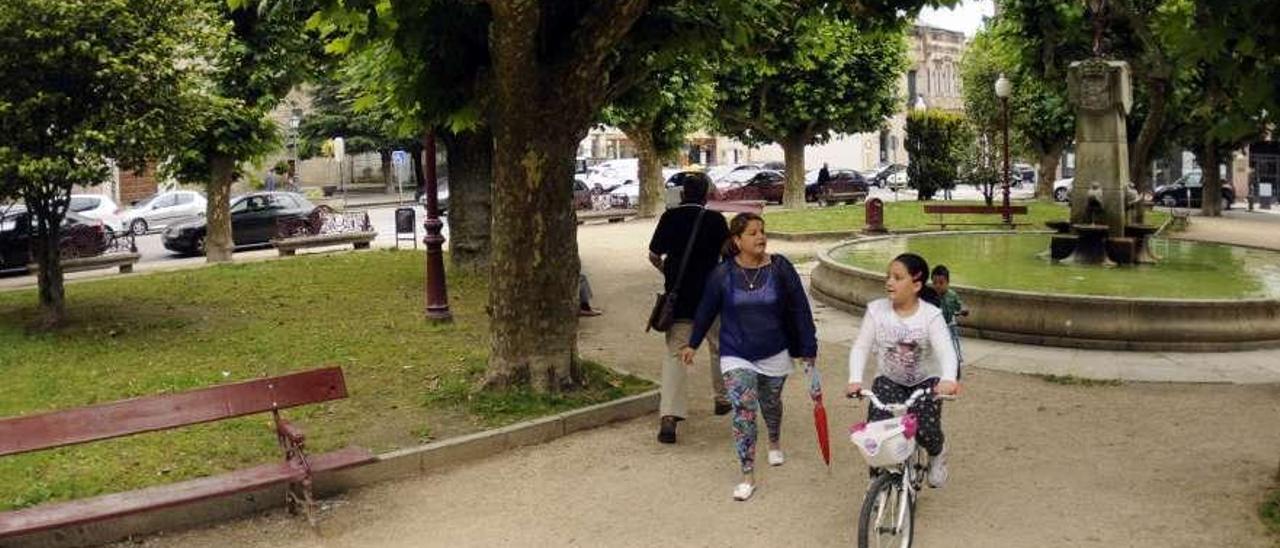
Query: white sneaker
(776, 458)
(744, 491)
(937, 474)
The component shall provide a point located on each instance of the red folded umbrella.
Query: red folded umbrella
(820, 415)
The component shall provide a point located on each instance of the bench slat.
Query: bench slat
(974, 209)
(49, 516)
(146, 414)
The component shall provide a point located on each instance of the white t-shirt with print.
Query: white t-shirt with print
(908, 350)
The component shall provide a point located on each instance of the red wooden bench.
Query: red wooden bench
(148, 414)
(949, 209)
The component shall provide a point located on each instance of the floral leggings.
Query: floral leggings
(747, 390)
(928, 410)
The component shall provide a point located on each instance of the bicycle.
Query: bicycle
(899, 465)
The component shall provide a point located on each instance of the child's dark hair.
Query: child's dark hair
(941, 270)
(736, 228)
(918, 269)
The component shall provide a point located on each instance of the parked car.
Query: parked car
(96, 206)
(1188, 191)
(844, 186)
(812, 189)
(254, 218)
(159, 210)
(612, 174)
(1062, 189)
(737, 174)
(17, 226)
(766, 185)
(888, 176)
(442, 195)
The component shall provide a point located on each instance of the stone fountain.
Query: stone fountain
(1102, 229)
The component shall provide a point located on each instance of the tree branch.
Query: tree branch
(601, 30)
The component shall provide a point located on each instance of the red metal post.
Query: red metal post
(437, 294)
(1004, 114)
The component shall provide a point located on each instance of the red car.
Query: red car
(766, 185)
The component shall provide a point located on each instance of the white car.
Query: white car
(161, 210)
(96, 206)
(614, 173)
(1062, 189)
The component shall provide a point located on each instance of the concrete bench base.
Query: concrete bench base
(289, 246)
(611, 215)
(123, 261)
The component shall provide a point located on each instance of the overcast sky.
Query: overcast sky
(965, 17)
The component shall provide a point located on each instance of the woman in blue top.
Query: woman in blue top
(765, 323)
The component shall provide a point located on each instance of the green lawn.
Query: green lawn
(909, 215)
(409, 381)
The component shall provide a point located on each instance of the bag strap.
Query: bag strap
(688, 248)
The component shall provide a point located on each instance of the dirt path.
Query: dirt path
(1035, 463)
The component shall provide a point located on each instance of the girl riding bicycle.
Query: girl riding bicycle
(904, 331)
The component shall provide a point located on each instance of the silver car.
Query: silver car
(162, 209)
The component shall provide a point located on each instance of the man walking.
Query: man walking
(666, 252)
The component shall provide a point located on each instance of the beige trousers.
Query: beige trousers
(675, 381)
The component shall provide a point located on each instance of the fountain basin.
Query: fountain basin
(1200, 297)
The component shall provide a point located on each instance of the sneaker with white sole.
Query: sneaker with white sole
(937, 475)
(776, 458)
(744, 491)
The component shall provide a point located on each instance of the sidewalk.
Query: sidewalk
(1034, 463)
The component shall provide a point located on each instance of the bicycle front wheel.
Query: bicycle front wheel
(888, 513)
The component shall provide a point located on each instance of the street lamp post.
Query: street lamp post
(294, 121)
(437, 293)
(1003, 90)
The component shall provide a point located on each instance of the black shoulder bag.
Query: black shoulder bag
(664, 308)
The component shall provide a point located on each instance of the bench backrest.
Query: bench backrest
(151, 413)
(737, 206)
(974, 209)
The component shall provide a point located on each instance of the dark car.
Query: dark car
(845, 176)
(17, 227)
(254, 221)
(1188, 191)
(766, 185)
(844, 186)
(881, 177)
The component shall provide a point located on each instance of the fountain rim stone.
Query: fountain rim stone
(824, 256)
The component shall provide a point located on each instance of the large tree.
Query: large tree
(263, 52)
(538, 72)
(85, 81)
(657, 114)
(816, 74)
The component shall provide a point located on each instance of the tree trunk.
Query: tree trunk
(419, 180)
(48, 216)
(652, 199)
(218, 242)
(534, 282)
(470, 197)
(1152, 126)
(1047, 173)
(793, 155)
(1211, 197)
(388, 172)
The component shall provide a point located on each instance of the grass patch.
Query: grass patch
(909, 215)
(409, 381)
(1269, 511)
(1072, 380)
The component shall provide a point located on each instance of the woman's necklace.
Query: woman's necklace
(754, 280)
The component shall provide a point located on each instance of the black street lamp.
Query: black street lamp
(1003, 90)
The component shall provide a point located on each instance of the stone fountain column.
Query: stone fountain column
(1102, 94)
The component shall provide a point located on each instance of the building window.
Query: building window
(911, 86)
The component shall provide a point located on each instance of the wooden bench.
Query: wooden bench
(737, 206)
(610, 215)
(941, 210)
(134, 416)
(121, 260)
(289, 246)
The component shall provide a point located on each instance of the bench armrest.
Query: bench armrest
(291, 432)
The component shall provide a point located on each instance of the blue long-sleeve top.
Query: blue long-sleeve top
(759, 322)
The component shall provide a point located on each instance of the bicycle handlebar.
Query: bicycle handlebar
(892, 407)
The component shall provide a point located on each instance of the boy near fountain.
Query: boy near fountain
(952, 309)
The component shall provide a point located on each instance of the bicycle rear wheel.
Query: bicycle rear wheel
(887, 519)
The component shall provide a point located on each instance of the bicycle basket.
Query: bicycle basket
(886, 442)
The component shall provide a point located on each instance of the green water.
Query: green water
(1187, 270)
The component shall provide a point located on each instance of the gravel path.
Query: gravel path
(1035, 463)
